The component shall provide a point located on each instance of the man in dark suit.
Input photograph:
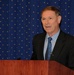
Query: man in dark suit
(62, 49)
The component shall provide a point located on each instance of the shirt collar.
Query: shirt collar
(54, 37)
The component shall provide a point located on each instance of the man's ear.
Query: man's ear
(59, 19)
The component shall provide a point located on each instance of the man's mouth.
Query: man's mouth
(48, 26)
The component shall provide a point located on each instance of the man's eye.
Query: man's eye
(50, 18)
(43, 18)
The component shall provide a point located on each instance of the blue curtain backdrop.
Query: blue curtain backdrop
(20, 21)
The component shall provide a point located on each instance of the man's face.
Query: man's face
(50, 21)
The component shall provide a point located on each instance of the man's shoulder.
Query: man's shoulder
(40, 35)
(67, 35)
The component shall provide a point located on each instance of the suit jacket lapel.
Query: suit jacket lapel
(58, 46)
(41, 42)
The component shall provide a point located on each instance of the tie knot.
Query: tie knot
(49, 39)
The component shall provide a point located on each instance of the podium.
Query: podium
(30, 67)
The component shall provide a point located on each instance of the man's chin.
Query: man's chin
(48, 31)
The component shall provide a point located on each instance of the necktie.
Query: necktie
(48, 52)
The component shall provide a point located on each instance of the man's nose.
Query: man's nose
(47, 21)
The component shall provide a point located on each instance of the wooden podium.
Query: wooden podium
(29, 67)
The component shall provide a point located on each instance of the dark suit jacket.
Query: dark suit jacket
(63, 51)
